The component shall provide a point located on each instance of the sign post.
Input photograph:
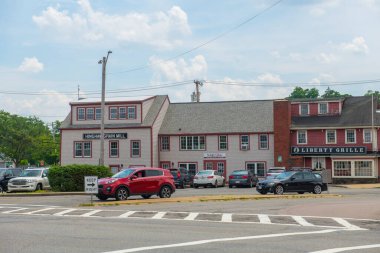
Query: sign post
(91, 185)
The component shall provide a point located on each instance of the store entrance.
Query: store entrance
(218, 165)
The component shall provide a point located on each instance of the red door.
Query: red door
(218, 165)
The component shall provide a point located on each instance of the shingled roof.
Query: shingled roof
(218, 117)
(356, 111)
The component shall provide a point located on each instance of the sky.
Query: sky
(239, 49)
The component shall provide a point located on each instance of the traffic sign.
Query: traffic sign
(91, 184)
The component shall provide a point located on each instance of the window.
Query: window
(304, 109)
(257, 168)
(90, 113)
(165, 143)
(131, 112)
(98, 113)
(153, 173)
(244, 142)
(122, 113)
(322, 108)
(350, 136)
(342, 168)
(223, 142)
(135, 149)
(301, 137)
(263, 141)
(82, 149)
(81, 114)
(367, 136)
(114, 149)
(308, 176)
(191, 168)
(330, 137)
(220, 168)
(165, 165)
(113, 113)
(363, 169)
(193, 143)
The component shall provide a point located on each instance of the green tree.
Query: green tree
(329, 93)
(299, 92)
(374, 93)
(24, 138)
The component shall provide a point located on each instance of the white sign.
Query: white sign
(214, 155)
(91, 184)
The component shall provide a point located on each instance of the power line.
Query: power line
(202, 44)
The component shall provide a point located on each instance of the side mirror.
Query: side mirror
(44, 175)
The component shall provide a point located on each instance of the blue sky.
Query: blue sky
(51, 47)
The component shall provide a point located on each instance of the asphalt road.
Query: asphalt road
(350, 223)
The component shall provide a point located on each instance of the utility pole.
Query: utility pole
(197, 93)
(104, 63)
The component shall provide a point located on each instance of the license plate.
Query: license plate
(238, 182)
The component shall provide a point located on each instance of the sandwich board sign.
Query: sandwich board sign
(91, 184)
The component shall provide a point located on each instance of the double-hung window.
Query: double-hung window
(90, 113)
(244, 142)
(82, 149)
(98, 113)
(165, 143)
(114, 113)
(223, 142)
(131, 112)
(330, 136)
(114, 149)
(122, 113)
(135, 148)
(263, 141)
(192, 143)
(322, 108)
(81, 113)
(304, 109)
(367, 136)
(350, 136)
(301, 137)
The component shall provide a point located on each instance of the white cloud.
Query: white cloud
(179, 70)
(358, 45)
(326, 58)
(322, 7)
(322, 78)
(31, 65)
(157, 29)
(275, 54)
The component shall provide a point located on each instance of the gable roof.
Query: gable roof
(218, 117)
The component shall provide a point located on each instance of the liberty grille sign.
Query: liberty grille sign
(328, 150)
(95, 136)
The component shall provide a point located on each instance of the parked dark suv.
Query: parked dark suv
(137, 181)
(5, 175)
(293, 181)
(181, 177)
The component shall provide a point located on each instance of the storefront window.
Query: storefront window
(342, 168)
(363, 169)
(354, 168)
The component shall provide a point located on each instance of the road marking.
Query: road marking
(40, 210)
(228, 239)
(127, 214)
(335, 250)
(227, 217)
(346, 224)
(90, 213)
(191, 216)
(64, 212)
(264, 219)
(159, 215)
(15, 210)
(302, 221)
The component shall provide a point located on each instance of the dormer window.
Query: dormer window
(322, 108)
(304, 109)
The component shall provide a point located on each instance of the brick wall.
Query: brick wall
(281, 127)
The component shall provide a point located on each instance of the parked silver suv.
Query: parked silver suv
(30, 180)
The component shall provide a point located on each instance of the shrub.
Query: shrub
(71, 177)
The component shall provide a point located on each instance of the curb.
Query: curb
(41, 194)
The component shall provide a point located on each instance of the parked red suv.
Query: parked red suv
(137, 181)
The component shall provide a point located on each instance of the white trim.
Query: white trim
(327, 108)
(300, 109)
(305, 137)
(370, 132)
(352, 164)
(345, 136)
(327, 130)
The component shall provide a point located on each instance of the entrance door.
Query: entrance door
(219, 166)
(191, 168)
(318, 163)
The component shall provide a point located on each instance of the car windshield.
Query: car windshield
(124, 173)
(2, 172)
(284, 175)
(240, 172)
(204, 172)
(31, 173)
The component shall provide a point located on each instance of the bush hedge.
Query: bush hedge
(71, 177)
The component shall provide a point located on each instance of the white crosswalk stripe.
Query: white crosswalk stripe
(264, 219)
(191, 216)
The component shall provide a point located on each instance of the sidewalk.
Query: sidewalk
(357, 186)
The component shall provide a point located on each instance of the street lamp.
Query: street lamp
(104, 63)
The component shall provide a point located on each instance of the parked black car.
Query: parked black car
(181, 177)
(242, 178)
(293, 181)
(5, 175)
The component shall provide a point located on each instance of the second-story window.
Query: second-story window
(98, 113)
(330, 136)
(301, 137)
(81, 114)
(165, 143)
(263, 141)
(350, 136)
(322, 108)
(367, 136)
(223, 142)
(122, 113)
(244, 142)
(135, 148)
(192, 143)
(90, 113)
(304, 109)
(114, 149)
(131, 112)
(113, 113)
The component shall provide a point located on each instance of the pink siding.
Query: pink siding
(295, 111)
(334, 108)
(313, 109)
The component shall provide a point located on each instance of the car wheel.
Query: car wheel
(301, 192)
(317, 189)
(39, 187)
(216, 184)
(102, 197)
(146, 196)
(279, 190)
(121, 193)
(165, 192)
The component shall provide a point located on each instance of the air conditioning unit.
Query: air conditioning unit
(244, 147)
